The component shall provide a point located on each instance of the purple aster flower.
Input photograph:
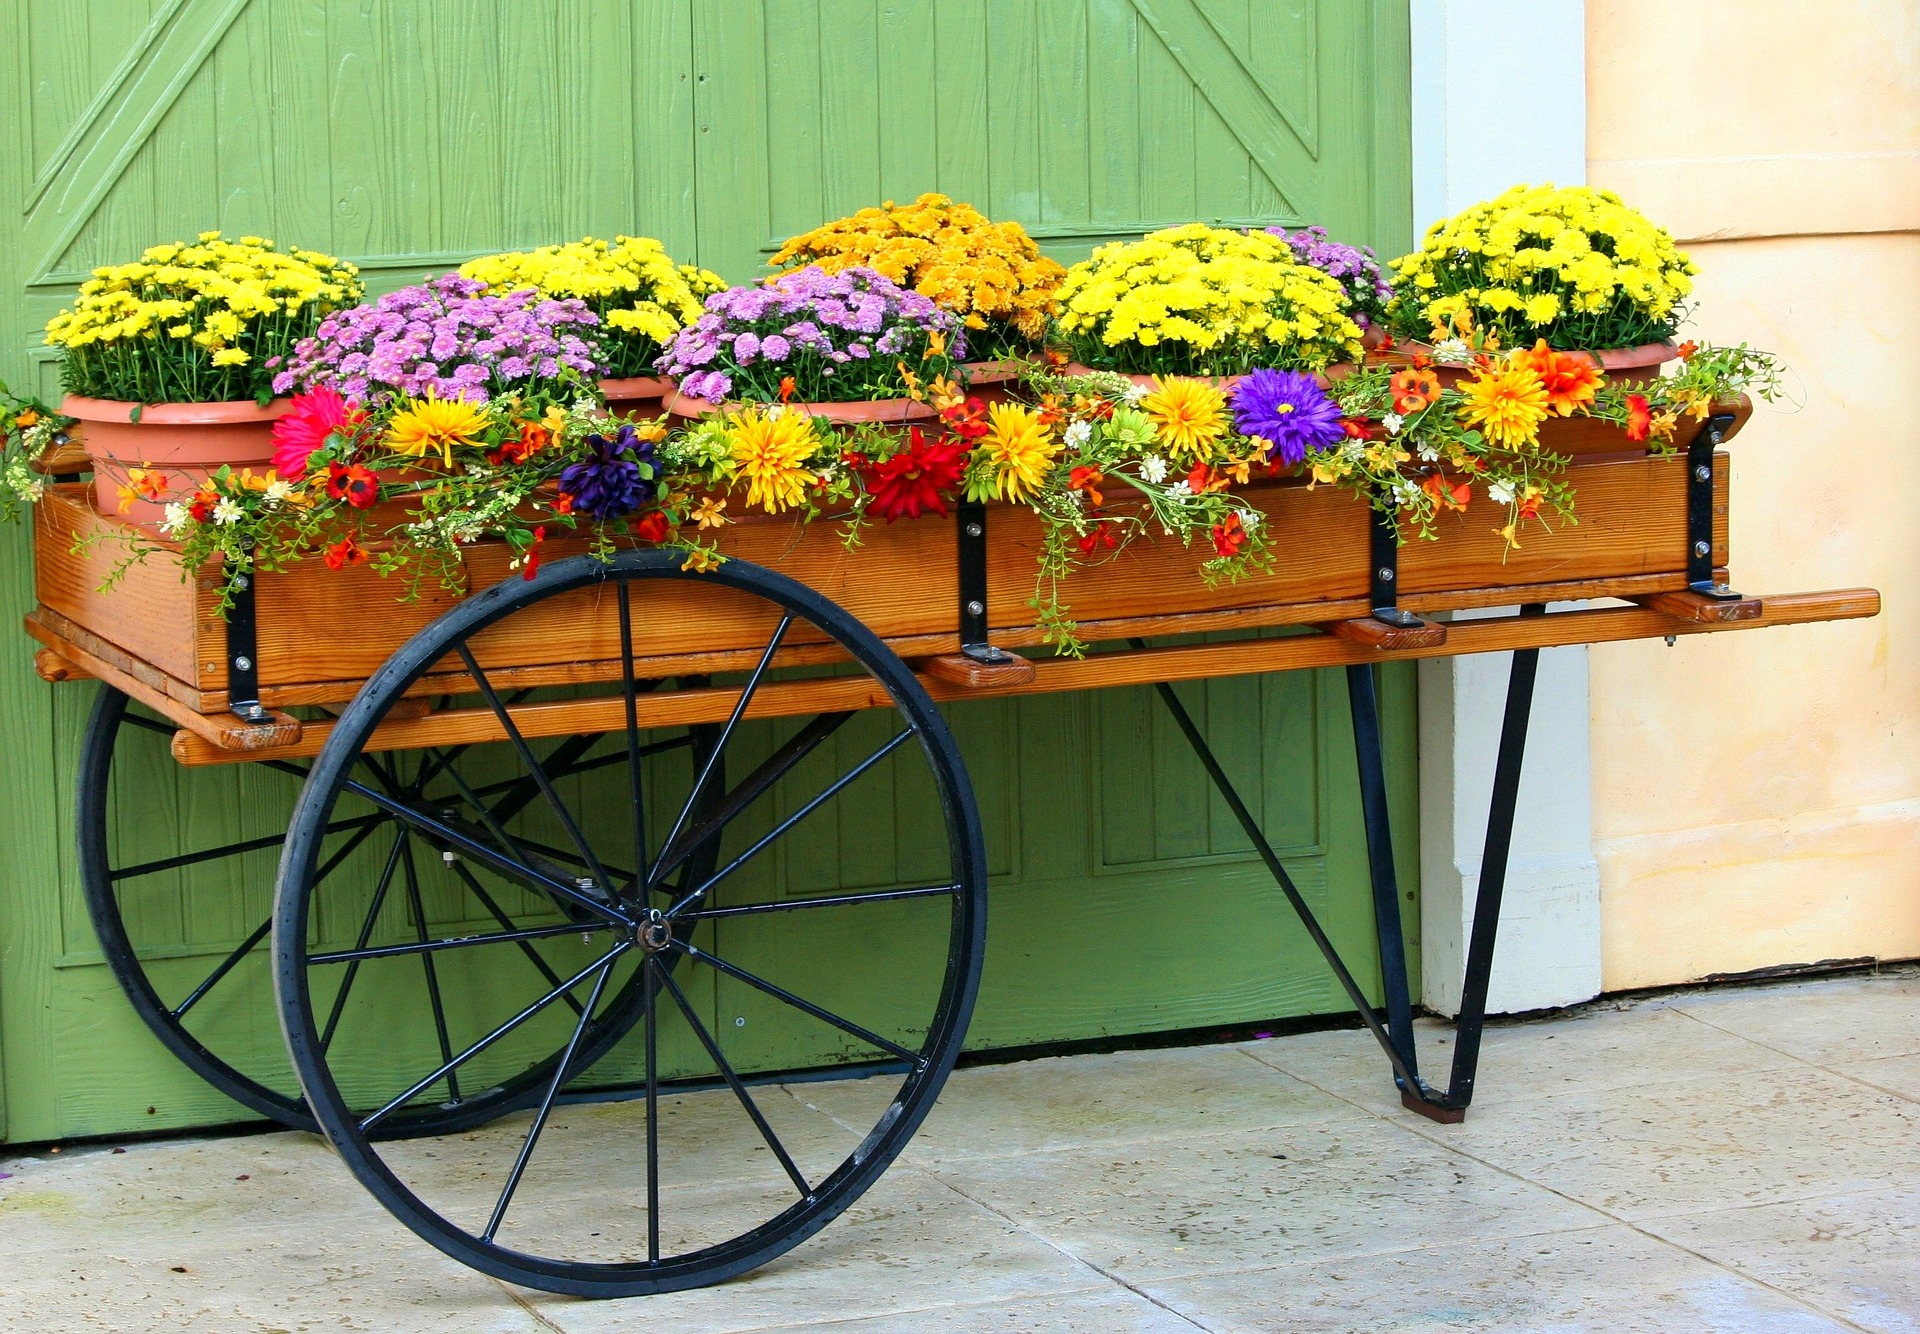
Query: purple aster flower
(618, 476)
(1353, 267)
(1287, 409)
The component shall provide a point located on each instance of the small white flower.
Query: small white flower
(1393, 421)
(1501, 492)
(1452, 352)
(1153, 469)
(1427, 453)
(1136, 392)
(175, 519)
(1077, 435)
(278, 490)
(1180, 489)
(227, 511)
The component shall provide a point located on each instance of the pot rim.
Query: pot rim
(242, 412)
(636, 386)
(862, 410)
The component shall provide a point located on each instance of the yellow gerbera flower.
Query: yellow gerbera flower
(768, 451)
(430, 424)
(1021, 448)
(1189, 414)
(1507, 402)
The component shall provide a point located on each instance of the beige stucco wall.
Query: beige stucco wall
(1757, 796)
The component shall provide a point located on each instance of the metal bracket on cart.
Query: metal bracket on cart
(1389, 625)
(1707, 597)
(978, 663)
(243, 670)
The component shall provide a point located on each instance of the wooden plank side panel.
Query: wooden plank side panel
(900, 582)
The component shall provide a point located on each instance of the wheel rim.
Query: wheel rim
(695, 1175)
(199, 999)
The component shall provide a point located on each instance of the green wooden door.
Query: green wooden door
(410, 134)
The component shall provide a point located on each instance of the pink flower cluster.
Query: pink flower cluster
(445, 337)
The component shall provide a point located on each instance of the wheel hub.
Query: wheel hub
(653, 933)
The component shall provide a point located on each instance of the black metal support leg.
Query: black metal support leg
(1417, 1095)
(1362, 699)
(1395, 1034)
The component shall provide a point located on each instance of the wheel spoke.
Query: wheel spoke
(560, 1073)
(720, 744)
(444, 758)
(375, 1118)
(426, 947)
(739, 1089)
(231, 850)
(780, 829)
(366, 933)
(472, 882)
(805, 1006)
(538, 774)
(258, 934)
(826, 901)
(426, 960)
(649, 989)
(775, 767)
(636, 798)
(441, 832)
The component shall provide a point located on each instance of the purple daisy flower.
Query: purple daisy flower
(618, 476)
(1287, 409)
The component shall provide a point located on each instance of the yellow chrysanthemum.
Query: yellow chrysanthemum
(1021, 448)
(1188, 414)
(1507, 403)
(769, 450)
(436, 425)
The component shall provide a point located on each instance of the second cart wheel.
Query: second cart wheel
(177, 869)
(698, 1156)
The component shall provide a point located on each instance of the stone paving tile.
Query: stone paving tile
(167, 1236)
(1835, 1019)
(1077, 1101)
(1898, 1075)
(1165, 1208)
(1607, 1277)
(1703, 1144)
(1593, 1050)
(1855, 1255)
(1112, 1310)
(908, 1243)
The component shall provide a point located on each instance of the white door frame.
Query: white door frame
(1499, 98)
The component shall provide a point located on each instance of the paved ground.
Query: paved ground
(1744, 1159)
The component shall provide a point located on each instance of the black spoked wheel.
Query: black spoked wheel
(177, 867)
(688, 1154)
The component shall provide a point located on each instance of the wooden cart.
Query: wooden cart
(520, 821)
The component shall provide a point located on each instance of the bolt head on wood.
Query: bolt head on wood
(976, 608)
(1701, 548)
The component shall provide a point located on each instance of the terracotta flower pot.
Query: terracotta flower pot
(1220, 382)
(187, 442)
(1623, 365)
(636, 395)
(993, 381)
(886, 411)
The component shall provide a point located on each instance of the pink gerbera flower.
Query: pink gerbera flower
(316, 415)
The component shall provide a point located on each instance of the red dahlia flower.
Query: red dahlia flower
(910, 483)
(316, 415)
